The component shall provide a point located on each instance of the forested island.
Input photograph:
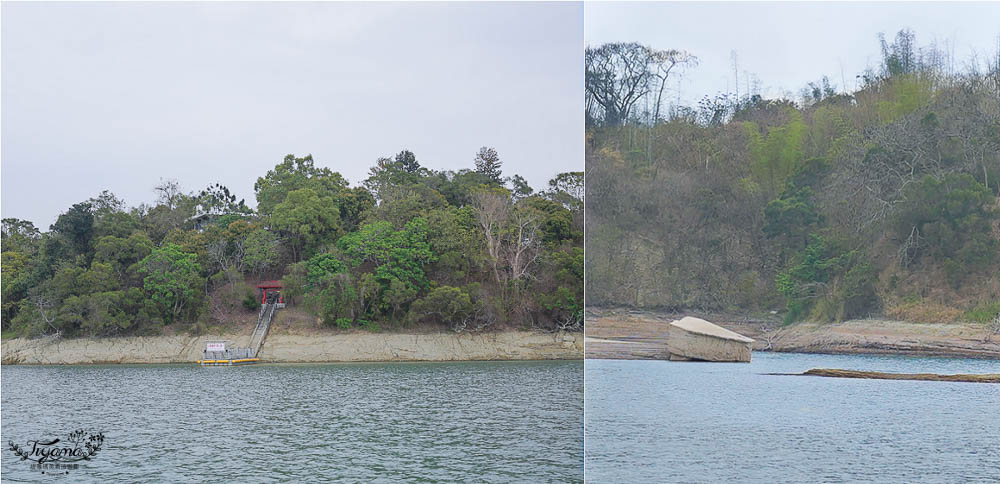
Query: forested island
(881, 202)
(464, 251)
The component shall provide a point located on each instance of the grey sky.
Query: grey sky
(119, 95)
(787, 45)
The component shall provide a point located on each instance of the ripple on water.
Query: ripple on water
(418, 422)
(658, 421)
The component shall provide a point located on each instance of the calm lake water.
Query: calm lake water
(659, 421)
(392, 422)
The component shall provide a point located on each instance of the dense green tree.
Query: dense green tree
(445, 304)
(306, 220)
(77, 226)
(519, 187)
(216, 199)
(556, 222)
(397, 255)
(172, 281)
(488, 164)
(294, 174)
(458, 187)
(122, 253)
(456, 243)
(568, 189)
(950, 221)
(105, 270)
(19, 236)
(793, 215)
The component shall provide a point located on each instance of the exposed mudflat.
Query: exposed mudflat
(300, 348)
(619, 334)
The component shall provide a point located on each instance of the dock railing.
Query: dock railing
(260, 331)
(228, 354)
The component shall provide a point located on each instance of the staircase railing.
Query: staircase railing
(262, 328)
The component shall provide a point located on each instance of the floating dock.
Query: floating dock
(241, 361)
(217, 353)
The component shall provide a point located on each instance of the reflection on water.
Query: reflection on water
(658, 421)
(419, 422)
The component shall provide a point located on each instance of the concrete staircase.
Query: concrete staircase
(263, 326)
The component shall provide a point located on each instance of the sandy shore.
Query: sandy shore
(298, 348)
(641, 335)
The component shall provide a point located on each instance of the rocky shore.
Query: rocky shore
(301, 348)
(642, 335)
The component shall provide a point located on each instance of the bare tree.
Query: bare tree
(492, 210)
(664, 62)
(169, 193)
(44, 304)
(511, 234)
(617, 76)
(522, 245)
(993, 327)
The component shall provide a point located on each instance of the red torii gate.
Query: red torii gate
(270, 290)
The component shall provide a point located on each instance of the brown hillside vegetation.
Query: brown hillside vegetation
(881, 202)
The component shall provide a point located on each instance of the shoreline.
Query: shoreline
(618, 334)
(297, 348)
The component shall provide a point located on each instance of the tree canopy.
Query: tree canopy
(403, 248)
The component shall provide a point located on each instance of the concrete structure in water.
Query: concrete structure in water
(696, 339)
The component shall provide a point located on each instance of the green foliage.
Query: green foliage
(294, 282)
(952, 219)
(698, 212)
(556, 222)
(404, 203)
(445, 304)
(561, 298)
(458, 187)
(984, 313)
(123, 253)
(16, 277)
(19, 236)
(568, 189)
(110, 312)
(333, 291)
(398, 255)
(296, 174)
(251, 303)
(488, 163)
(776, 155)
(307, 219)
(344, 323)
(904, 95)
(390, 174)
(793, 215)
(105, 270)
(321, 266)
(833, 282)
(77, 225)
(454, 238)
(172, 281)
(261, 250)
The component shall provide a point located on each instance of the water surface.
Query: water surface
(374, 422)
(661, 421)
